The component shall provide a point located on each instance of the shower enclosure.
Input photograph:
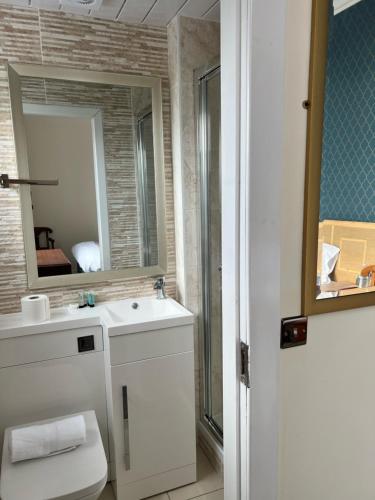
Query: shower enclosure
(146, 189)
(210, 232)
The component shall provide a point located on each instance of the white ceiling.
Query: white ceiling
(154, 12)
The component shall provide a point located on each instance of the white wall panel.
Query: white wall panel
(135, 11)
(214, 13)
(152, 12)
(46, 4)
(197, 9)
(163, 12)
(18, 3)
(108, 10)
(68, 7)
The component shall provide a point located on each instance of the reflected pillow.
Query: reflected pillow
(87, 254)
(330, 254)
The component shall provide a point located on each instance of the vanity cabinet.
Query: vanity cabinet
(153, 421)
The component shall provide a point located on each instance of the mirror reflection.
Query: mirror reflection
(97, 140)
(346, 243)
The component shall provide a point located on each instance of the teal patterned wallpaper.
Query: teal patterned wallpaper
(348, 160)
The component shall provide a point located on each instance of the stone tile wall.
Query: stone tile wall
(192, 44)
(55, 38)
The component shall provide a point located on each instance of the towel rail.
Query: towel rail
(5, 182)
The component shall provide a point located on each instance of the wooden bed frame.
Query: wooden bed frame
(356, 241)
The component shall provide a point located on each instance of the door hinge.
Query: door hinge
(245, 365)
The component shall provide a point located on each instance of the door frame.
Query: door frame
(230, 171)
(96, 120)
(253, 47)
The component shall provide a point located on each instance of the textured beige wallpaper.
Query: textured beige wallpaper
(42, 37)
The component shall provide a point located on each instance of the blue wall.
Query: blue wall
(348, 163)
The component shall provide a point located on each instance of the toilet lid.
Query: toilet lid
(69, 476)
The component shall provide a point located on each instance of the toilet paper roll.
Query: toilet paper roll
(35, 308)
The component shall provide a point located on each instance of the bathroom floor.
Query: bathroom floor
(208, 487)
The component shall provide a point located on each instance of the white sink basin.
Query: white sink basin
(141, 314)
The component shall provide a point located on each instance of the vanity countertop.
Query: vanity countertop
(14, 325)
(117, 317)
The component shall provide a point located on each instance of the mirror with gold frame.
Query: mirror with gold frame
(339, 223)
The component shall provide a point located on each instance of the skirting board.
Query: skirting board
(212, 449)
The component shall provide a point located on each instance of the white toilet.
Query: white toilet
(80, 474)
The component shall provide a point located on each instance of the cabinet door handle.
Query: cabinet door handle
(126, 426)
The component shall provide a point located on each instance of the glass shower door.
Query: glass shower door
(209, 148)
(146, 190)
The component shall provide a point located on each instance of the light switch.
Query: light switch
(293, 332)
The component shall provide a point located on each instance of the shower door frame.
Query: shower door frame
(202, 76)
(143, 186)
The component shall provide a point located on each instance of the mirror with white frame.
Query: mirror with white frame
(98, 138)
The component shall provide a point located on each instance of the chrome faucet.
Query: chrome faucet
(159, 286)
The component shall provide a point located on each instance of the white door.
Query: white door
(252, 67)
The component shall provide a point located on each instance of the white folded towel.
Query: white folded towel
(51, 438)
